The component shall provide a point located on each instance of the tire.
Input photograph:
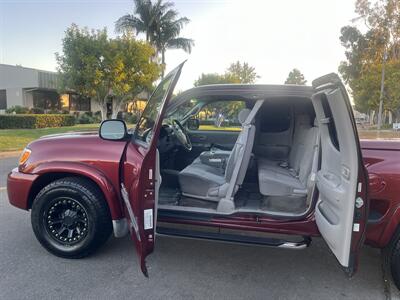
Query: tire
(391, 257)
(71, 205)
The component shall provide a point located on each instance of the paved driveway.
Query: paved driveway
(179, 268)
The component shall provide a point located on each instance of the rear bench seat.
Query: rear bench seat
(291, 177)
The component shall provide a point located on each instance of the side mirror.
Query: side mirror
(113, 130)
(193, 124)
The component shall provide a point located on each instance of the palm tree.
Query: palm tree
(167, 36)
(160, 23)
(144, 18)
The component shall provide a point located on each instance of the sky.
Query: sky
(273, 36)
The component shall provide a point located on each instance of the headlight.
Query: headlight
(24, 156)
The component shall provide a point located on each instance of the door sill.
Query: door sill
(236, 237)
(213, 212)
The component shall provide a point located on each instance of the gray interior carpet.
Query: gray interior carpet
(168, 196)
(294, 205)
(172, 196)
(191, 202)
(249, 197)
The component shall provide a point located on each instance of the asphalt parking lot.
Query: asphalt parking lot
(179, 268)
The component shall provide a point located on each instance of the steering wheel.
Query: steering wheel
(182, 135)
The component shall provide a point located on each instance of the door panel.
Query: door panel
(342, 176)
(140, 170)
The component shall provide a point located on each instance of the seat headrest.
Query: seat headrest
(303, 120)
(243, 114)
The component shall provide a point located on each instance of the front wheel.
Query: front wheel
(70, 217)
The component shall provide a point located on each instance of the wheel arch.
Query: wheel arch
(390, 230)
(48, 174)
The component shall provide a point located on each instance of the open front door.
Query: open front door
(342, 208)
(140, 178)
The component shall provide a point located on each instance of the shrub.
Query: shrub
(36, 110)
(97, 114)
(54, 111)
(131, 118)
(87, 118)
(17, 109)
(35, 121)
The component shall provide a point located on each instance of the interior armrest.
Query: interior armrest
(215, 158)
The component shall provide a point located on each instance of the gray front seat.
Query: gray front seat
(203, 181)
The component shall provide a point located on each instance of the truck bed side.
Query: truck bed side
(382, 159)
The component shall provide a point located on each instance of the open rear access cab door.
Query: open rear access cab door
(342, 208)
(140, 177)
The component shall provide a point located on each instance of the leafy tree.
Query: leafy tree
(365, 55)
(215, 78)
(160, 23)
(244, 72)
(236, 73)
(295, 77)
(95, 66)
(135, 71)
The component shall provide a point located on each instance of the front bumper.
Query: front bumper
(18, 188)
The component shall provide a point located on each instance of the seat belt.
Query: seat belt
(314, 168)
(246, 127)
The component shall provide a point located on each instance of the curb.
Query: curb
(10, 154)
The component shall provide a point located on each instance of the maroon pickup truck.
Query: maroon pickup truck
(271, 165)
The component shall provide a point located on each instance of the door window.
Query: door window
(151, 113)
(220, 115)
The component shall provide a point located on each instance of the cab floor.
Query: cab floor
(247, 197)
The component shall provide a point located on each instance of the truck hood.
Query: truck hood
(74, 147)
(70, 134)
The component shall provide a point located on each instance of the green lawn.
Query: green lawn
(213, 127)
(375, 134)
(17, 139)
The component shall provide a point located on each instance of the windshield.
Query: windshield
(149, 118)
(181, 111)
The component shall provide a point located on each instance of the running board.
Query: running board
(232, 238)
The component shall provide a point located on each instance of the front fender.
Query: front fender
(110, 192)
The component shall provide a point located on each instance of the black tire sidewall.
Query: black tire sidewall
(391, 258)
(48, 196)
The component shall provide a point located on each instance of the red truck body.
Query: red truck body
(99, 160)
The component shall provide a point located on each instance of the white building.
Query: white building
(35, 88)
